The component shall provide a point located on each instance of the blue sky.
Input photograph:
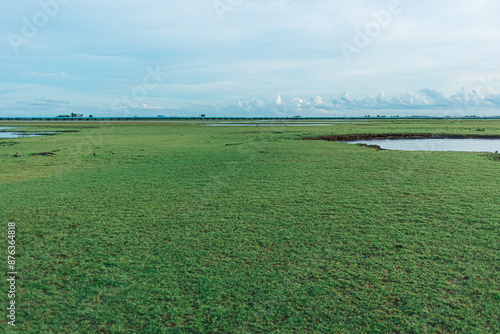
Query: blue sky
(249, 58)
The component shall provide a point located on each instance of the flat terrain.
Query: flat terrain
(183, 228)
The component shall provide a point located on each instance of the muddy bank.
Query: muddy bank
(377, 147)
(371, 136)
(44, 153)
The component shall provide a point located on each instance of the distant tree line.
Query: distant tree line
(78, 117)
(73, 115)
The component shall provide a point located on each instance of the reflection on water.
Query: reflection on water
(265, 124)
(461, 145)
(278, 124)
(17, 134)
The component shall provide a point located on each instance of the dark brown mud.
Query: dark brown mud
(370, 136)
(377, 147)
(44, 153)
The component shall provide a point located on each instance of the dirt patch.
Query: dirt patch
(8, 143)
(370, 136)
(377, 147)
(44, 153)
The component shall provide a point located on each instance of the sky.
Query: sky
(250, 58)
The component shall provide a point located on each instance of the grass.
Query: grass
(169, 230)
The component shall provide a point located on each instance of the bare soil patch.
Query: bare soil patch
(370, 136)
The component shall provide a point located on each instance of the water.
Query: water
(274, 121)
(460, 145)
(19, 134)
(5, 134)
(16, 134)
(276, 124)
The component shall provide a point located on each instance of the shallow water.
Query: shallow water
(460, 145)
(274, 124)
(273, 121)
(19, 134)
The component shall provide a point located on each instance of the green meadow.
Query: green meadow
(184, 228)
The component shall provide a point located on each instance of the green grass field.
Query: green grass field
(169, 230)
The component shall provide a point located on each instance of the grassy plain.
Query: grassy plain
(169, 230)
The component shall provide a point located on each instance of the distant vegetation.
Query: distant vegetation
(81, 117)
(72, 115)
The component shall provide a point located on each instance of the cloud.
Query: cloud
(36, 74)
(431, 102)
(317, 100)
(46, 103)
(148, 107)
(279, 101)
(423, 99)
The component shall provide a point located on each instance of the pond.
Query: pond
(460, 145)
(277, 124)
(18, 134)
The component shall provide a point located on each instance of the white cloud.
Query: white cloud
(37, 74)
(423, 99)
(148, 107)
(278, 100)
(429, 102)
(317, 100)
